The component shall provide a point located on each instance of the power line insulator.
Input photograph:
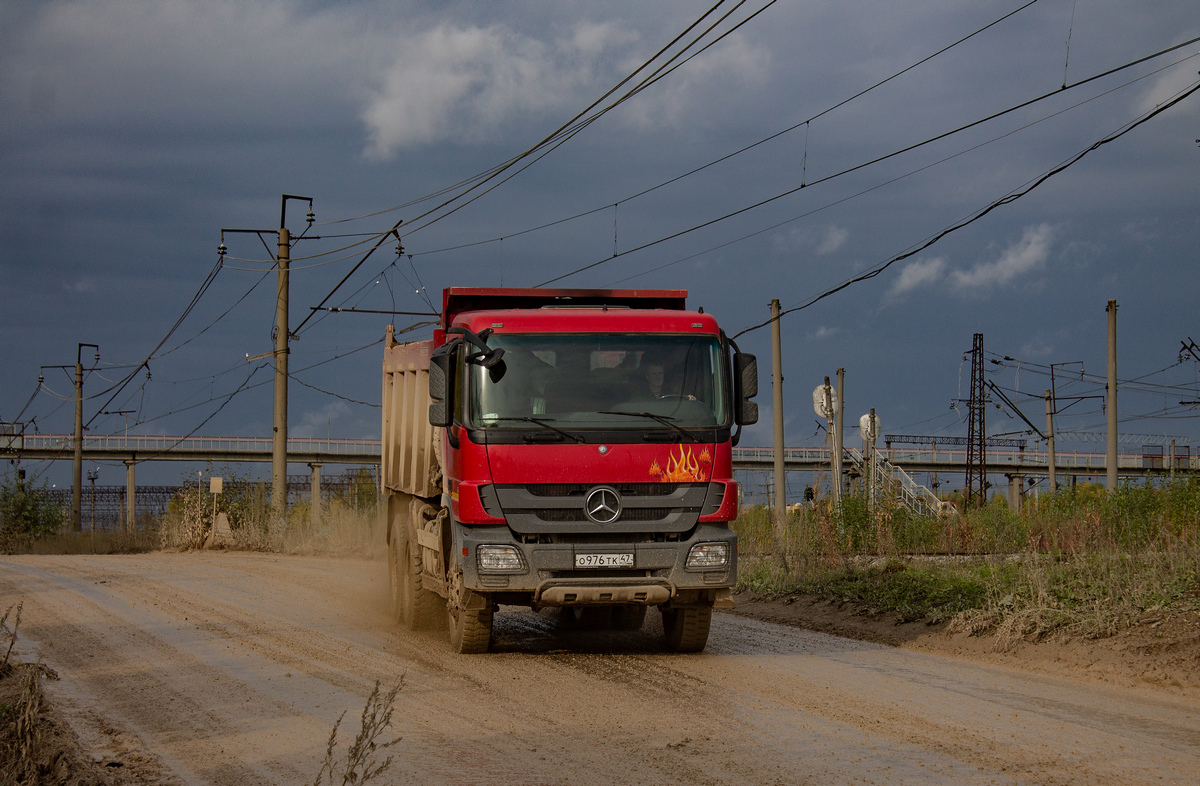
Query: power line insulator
(311, 216)
(221, 250)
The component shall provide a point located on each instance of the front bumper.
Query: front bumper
(548, 575)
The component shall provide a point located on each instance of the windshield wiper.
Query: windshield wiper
(664, 419)
(544, 424)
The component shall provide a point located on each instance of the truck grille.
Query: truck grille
(545, 508)
(577, 514)
(580, 489)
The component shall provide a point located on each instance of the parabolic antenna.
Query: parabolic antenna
(819, 402)
(865, 429)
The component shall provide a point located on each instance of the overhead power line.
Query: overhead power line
(553, 140)
(866, 164)
(1005, 200)
(741, 150)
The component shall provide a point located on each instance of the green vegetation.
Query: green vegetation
(1082, 562)
(349, 524)
(27, 512)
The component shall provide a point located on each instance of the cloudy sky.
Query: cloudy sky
(133, 132)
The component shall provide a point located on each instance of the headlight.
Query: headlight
(708, 556)
(499, 559)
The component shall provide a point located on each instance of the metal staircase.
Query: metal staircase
(892, 481)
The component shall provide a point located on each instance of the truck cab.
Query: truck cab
(582, 442)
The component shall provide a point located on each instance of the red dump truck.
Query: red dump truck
(564, 448)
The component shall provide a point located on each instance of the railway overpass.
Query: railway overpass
(135, 449)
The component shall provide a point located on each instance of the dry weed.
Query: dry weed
(21, 736)
(361, 762)
(10, 634)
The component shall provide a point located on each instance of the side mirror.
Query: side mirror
(745, 387)
(439, 388)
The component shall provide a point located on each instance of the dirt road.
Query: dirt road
(232, 668)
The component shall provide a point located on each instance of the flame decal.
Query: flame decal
(684, 468)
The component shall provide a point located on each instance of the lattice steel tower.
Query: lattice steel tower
(976, 488)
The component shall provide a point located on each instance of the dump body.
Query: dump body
(409, 454)
(581, 458)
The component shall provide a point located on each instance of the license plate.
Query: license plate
(604, 560)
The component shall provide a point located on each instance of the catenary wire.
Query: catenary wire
(741, 150)
(1005, 200)
(865, 164)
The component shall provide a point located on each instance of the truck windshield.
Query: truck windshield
(606, 381)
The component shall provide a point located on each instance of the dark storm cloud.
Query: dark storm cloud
(133, 132)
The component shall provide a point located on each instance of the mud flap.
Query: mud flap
(723, 599)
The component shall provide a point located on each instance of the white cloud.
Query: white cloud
(824, 332)
(1021, 258)
(686, 97)
(461, 82)
(319, 423)
(1166, 87)
(834, 238)
(823, 241)
(84, 284)
(917, 274)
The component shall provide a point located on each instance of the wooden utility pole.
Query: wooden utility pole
(1110, 401)
(780, 518)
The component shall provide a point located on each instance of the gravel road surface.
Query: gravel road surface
(231, 668)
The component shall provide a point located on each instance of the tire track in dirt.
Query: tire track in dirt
(232, 667)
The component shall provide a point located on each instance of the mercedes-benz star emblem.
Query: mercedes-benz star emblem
(603, 505)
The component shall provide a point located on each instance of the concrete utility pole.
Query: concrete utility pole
(1110, 460)
(314, 486)
(777, 401)
(77, 468)
(130, 493)
(281, 351)
(1050, 441)
(77, 476)
(832, 425)
(279, 443)
(839, 436)
(872, 465)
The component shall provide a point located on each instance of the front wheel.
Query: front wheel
(470, 630)
(686, 628)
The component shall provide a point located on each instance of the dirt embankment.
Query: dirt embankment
(1161, 651)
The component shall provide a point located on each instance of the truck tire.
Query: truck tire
(470, 630)
(628, 617)
(686, 628)
(412, 605)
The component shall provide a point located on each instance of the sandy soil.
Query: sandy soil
(232, 668)
(1162, 651)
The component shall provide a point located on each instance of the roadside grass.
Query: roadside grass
(343, 529)
(1079, 563)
